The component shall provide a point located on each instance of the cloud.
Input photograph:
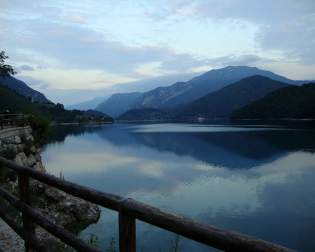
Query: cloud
(75, 18)
(78, 47)
(25, 68)
(83, 45)
(286, 26)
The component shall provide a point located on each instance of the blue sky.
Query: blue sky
(91, 48)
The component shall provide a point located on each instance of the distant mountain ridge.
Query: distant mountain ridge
(221, 103)
(21, 88)
(140, 86)
(185, 92)
(216, 105)
(118, 103)
(86, 105)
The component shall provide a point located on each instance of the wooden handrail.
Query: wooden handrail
(12, 120)
(130, 210)
(45, 223)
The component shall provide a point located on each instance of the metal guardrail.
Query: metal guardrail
(128, 211)
(12, 120)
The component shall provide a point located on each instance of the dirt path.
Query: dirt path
(9, 240)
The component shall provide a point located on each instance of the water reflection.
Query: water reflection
(254, 180)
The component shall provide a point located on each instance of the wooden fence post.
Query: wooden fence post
(28, 225)
(127, 233)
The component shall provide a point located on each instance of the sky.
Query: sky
(76, 50)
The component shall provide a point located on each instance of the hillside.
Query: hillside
(14, 102)
(21, 88)
(185, 92)
(117, 104)
(17, 103)
(289, 102)
(222, 102)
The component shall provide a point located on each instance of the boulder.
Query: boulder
(39, 167)
(33, 149)
(31, 160)
(21, 159)
(29, 138)
(17, 140)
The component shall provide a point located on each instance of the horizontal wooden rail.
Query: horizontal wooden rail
(206, 234)
(129, 209)
(11, 120)
(45, 223)
(106, 200)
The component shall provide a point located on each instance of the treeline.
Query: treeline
(15, 103)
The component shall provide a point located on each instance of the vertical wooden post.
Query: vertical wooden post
(127, 233)
(28, 225)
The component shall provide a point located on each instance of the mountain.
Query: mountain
(185, 92)
(90, 104)
(17, 103)
(117, 104)
(222, 102)
(21, 88)
(143, 85)
(289, 102)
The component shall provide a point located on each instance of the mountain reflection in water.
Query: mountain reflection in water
(255, 180)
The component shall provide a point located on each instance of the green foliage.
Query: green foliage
(39, 124)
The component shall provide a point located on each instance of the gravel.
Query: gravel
(9, 240)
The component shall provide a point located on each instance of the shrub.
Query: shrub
(40, 126)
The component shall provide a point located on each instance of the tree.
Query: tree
(5, 70)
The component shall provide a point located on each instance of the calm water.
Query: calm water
(255, 180)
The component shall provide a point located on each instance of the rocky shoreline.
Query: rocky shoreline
(63, 209)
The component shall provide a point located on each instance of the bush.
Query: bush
(39, 125)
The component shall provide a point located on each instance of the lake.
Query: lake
(258, 180)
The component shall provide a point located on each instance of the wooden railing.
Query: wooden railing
(128, 211)
(12, 120)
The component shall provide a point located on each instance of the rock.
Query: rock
(38, 157)
(31, 160)
(17, 140)
(62, 208)
(33, 149)
(21, 159)
(65, 209)
(39, 167)
(20, 147)
(29, 138)
(55, 194)
(13, 148)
